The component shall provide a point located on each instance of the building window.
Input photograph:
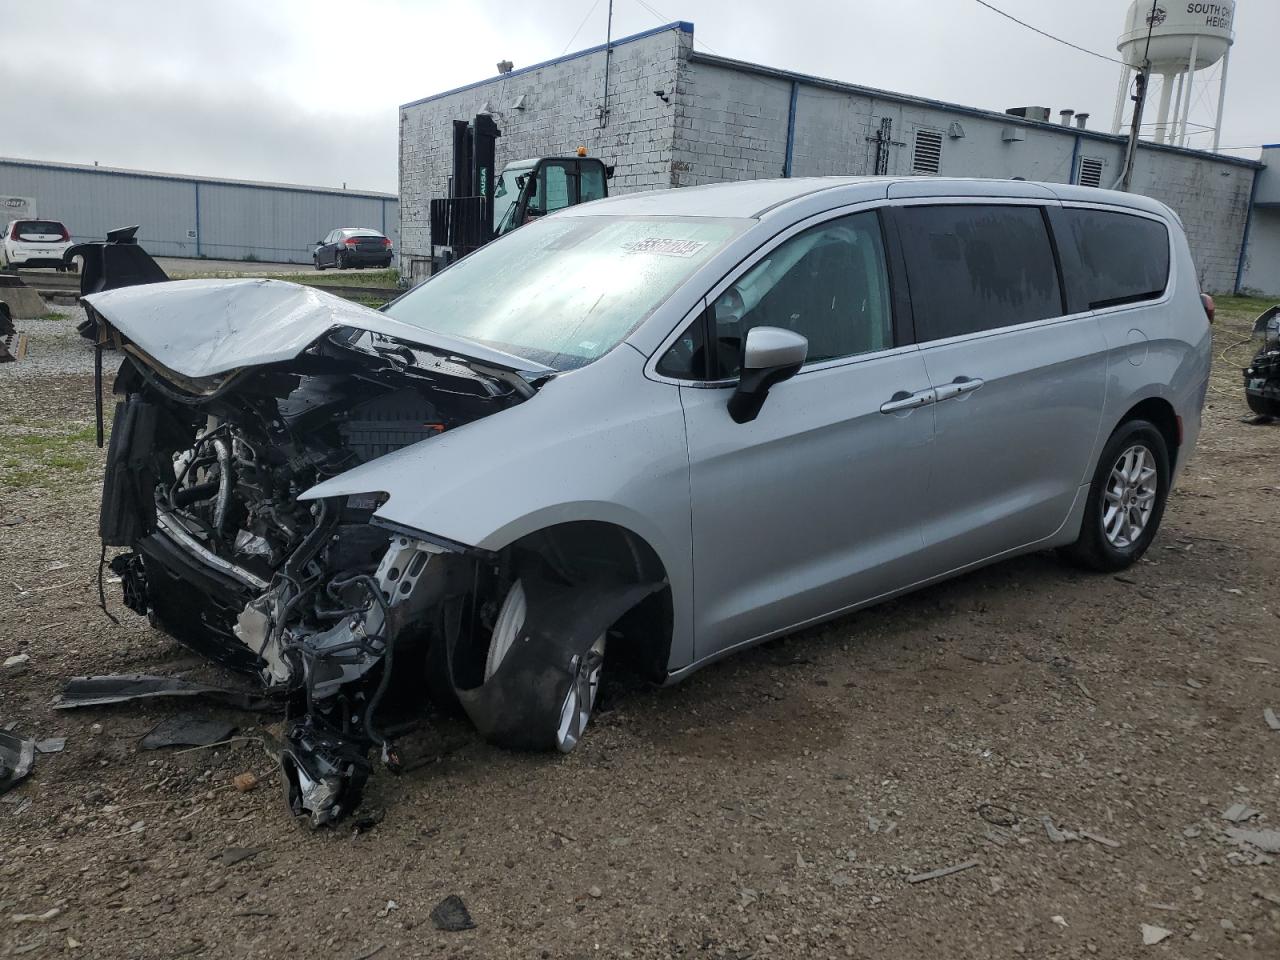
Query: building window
(926, 157)
(1090, 172)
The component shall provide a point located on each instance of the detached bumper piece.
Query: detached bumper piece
(17, 756)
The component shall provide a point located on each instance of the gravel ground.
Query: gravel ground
(54, 349)
(776, 805)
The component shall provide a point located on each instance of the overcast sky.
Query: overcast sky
(307, 91)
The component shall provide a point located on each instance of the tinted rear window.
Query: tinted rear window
(1123, 258)
(39, 226)
(976, 267)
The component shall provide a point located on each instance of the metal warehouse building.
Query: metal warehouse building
(672, 116)
(184, 216)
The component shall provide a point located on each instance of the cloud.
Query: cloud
(307, 91)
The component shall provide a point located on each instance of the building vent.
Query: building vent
(1090, 174)
(926, 157)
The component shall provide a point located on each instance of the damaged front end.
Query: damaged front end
(319, 599)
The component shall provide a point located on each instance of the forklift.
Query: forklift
(481, 206)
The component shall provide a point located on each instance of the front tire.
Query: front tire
(1126, 499)
(564, 730)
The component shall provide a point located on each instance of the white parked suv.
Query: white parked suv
(35, 243)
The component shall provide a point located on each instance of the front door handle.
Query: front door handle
(958, 387)
(903, 400)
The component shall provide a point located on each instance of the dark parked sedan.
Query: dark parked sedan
(353, 247)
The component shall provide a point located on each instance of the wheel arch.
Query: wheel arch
(1161, 413)
(579, 549)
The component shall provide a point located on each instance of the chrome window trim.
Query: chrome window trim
(1013, 328)
(878, 204)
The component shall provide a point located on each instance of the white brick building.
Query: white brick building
(677, 117)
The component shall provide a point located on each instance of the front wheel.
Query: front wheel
(1126, 499)
(564, 729)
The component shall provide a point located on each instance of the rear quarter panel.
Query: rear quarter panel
(1161, 348)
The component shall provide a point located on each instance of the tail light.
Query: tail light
(13, 234)
(1210, 308)
(66, 234)
(386, 242)
(350, 242)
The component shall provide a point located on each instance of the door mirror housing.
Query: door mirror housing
(769, 356)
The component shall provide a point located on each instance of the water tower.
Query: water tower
(1178, 38)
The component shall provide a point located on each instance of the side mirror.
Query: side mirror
(769, 356)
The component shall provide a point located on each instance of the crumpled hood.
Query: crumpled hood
(200, 328)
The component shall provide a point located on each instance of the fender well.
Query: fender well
(1161, 413)
(583, 549)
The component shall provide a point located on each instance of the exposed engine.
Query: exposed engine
(314, 597)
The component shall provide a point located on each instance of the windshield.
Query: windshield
(506, 194)
(565, 290)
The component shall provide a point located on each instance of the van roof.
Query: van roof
(757, 198)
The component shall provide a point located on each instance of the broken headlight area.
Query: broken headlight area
(314, 598)
(1262, 376)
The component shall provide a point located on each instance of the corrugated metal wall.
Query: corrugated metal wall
(197, 218)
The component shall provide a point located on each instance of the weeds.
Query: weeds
(47, 456)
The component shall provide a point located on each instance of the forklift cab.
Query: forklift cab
(529, 189)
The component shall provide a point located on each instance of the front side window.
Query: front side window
(553, 190)
(828, 283)
(1125, 258)
(566, 290)
(978, 267)
(505, 195)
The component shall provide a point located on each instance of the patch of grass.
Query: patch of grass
(48, 456)
(372, 302)
(53, 315)
(344, 278)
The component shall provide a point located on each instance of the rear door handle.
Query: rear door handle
(903, 400)
(958, 387)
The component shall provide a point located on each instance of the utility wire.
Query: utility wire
(580, 26)
(665, 19)
(1023, 23)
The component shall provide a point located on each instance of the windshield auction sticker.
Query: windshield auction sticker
(667, 248)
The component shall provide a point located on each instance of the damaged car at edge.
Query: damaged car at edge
(506, 478)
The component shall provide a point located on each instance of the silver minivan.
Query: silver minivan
(646, 431)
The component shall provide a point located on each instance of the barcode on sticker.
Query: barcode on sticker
(667, 248)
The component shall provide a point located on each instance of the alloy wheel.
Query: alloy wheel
(580, 699)
(584, 670)
(1129, 496)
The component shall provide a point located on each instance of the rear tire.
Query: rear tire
(1126, 499)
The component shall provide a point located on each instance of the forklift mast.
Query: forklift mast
(473, 160)
(464, 220)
